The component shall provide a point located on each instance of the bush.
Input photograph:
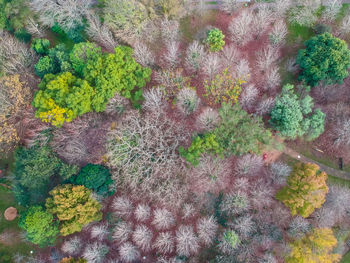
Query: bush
(326, 58)
(215, 39)
(41, 46)
(22, 35)
(82, 209)
(95, 177)
(40, 227)
(81, 54)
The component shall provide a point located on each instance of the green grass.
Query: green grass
(345, 258)
(343, 11)
(299, 32)
(6, 252)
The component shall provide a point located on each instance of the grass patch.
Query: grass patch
(299, 32)
(343, 11)
(345, 258)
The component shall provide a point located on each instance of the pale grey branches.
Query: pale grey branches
(207, 228)
(208, 119)
(186, 241)
(195, 54)
(164, 243)
(240, 28)
(187, 101)
(143, 55)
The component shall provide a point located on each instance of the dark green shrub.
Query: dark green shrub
(41, 46)
(322, 28)
(23, 35)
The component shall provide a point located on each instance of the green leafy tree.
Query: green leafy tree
(56, 61)
(215, 39)
(13, 14)
(37, 169)
(81, 54)
(326, 58)
(305, 191)
(232, 238)
(62, 98)
(40, 226)
(41, 46)
(201, 144)
(116, 73)
(74, 207)
(240, 133)
(95, 177)
(293, 116)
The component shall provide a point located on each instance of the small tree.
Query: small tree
(326, 58)
(95, 177)
(40, 227)
(305, 191)
(41, 45)
(74, 207)
(81, 54)
(315, 247)
(215, 39)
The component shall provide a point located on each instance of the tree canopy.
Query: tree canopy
(305, 191)
(326, 58)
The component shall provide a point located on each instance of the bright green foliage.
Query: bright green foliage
(41, 46)
(62, 98)
(215, 39)
(240, 133)
(40, 227)
(74, 207)
(55, 62)
(232, 238)
(116, 73)
(35, 169)
(306, 189)
(292, 115)
(13, 14)
(200, 145)
(95, 177)
(81, 54)
(326, 58)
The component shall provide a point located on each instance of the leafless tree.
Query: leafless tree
(338, 199)
(154, 100)
(240, 28)
(142, 237)
(280, 7)
(342, 133)
(122, 232)
(242, 70)
(15, 56)
(230, 56)
(186, 241)
(262, 18)
(273, 79)
(249, 96)
(331, 10)
(268, 258)
(170, 30)
(195, 54)
(95, 252)
(142, 212)
(143, 55)
(117, 105)
(280, 171)
(261, 195)
(344, 28)
(128, 252)
(188, 211)
(278, 33)
(235, 203)
(187, 101)
(99, 231)
(229, 6)
(34, 28)
(163, 219)
(291, 65)
(171, 81)
(100, 32)
(171, 57)
(244, 225)
(122, 206)
(302, 15)
(211, 65)
(164, 243)
(266, 57)
(208, 119)
(67, 13)
(207, 229)
(324, 217)
(249, 164)
(299, 226)
(241, 184)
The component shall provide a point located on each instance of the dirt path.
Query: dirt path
(326, 169)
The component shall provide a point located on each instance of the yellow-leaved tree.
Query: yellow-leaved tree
(74, 207)
(315, 247)
(14, 96)
(306, 189)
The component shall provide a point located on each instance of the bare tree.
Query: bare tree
(241, 184)
(170, 30)
(342, 133)
(34, 28)
(273, 79)
(244, 225)
(207, 228)
(143, 55)
(242, 70)
(122, 232)
(163, 219)
(142, 212)
(211, 65)
(331, 10)
(240, 28)
(249, 96)
(249, 164)
(262, 18)
(171, 57)
(278, 33)
(95, 252)
(142, 237)
(99, 231)
(122, 206)
(117, 105)
(186, 241)
(188, 211)
(72, 246)
(154, 100)
(229, 6)
(302, 15)
(266, 57)
(195, 54)
(261, 195)
(230, 56)
(128, 252)
(344, 28)
(280, 7)
(299, 226)
(337, 200)
(100, 32)
(268, 258)
(234, 203)
(280, 171)
(291, 65)
(187, 101)
(164, 243)
(208, 119)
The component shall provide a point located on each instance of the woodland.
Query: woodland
(173, 131)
